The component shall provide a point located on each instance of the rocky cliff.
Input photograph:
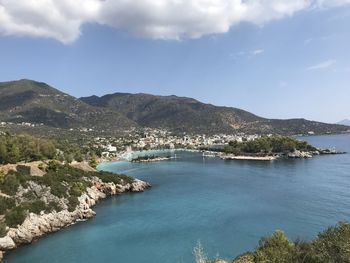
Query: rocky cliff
(38, 225)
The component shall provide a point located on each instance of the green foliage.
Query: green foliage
(70, 151)
(275, 249)
(73, 202)
(77, 188)
(41, 166)
(147, 158)
(63, 180)
(15, 216)
(53, 165)
(23, 170)
(14, 149)
(10, 183)
(93, 160)
(330, 246)
(5, 204)
(333, 245)
(3, 230)
(53, 206)
(268, 145)
(107, 177)
(35, 207)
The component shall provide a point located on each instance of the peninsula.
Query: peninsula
(40, 195)
(150, 158)
(268, 148)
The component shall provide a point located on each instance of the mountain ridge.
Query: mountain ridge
(344, 122)
(37, 102)
(230, 119)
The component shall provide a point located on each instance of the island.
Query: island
(268, 148)
(150, 158)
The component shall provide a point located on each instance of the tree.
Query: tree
(13, 153)
(275, 249)
(3, 150)
(333, 245)
(93, 160)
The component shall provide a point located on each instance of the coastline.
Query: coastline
(250, 158)
(36, 226)
(157, 159)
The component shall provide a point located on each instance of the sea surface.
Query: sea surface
(226, 205)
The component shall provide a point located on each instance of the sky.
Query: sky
(275, 58)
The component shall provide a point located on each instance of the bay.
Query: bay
(226, 205)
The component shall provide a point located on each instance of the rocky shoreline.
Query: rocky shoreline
(157, 159)
(38, 225)
(250, 158)
(292, 155)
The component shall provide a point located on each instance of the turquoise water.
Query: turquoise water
(227, 205)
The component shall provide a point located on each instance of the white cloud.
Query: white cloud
(159, 19)
(323, 65)
(58, 19)
(246, 54)
(258, 51)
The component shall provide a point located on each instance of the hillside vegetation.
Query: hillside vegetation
(26, 148)
(14, 149)
(58, 189)
(268, 145)
(38, 103)
(330, 246)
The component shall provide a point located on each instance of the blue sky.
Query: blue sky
(274, 65)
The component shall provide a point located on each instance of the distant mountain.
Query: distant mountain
(344, 122)
(186, 114)
(36, 102)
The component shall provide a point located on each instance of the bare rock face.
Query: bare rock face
(299, 154)
(139, 186)
(36, 226)
(42, 192)
(6, 243)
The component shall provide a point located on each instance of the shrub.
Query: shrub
(277, 249)
(15, 216)
(330, 246)
(53, 165)
(73, 202)
(5, 204)
(77, 189)
(23, 170)
(107, 177)
(3, 230)
(35, 207)
(10, 184)
(53, 206)
(333, 245)
(41, 166)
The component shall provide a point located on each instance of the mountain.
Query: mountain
(37, 102)
(186, 114)
(344, 122)
(176, 113)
